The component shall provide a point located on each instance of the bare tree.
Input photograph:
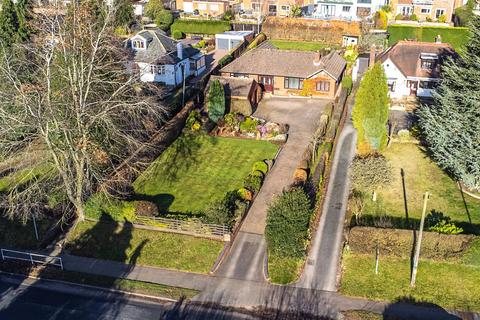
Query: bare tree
(69, 93)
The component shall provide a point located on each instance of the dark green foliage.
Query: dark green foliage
(153, 8)
(164, 19)
(225, 60)
(370, 113)
(8, 23)
(287, 224)
(228, 15)
(249, 125)
(347, 83)
(464, 14)
(100, 204)
(253, 181)
(223, 211)
(124, 15)
(216, 101)
(370, 172)
(177, 35)
(451, 125)
(201, 26)
(23, 9)
(438, 222)
(457, 37)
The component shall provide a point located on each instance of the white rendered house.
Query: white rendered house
(353, 10)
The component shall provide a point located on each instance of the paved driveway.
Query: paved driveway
(246, 258)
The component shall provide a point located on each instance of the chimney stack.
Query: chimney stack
(373, 55)
(180, 50)
(318, 58)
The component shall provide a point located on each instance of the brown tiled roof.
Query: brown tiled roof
(286, 63)
(234, 86)
(406, 56)
(405, 1)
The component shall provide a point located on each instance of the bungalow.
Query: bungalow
(413, 68)
(161, 59)
(287, 72)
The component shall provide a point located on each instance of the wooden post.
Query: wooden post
(377, 254)
(419, 241)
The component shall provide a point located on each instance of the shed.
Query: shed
(228, 40)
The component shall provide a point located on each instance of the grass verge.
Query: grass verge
(449, 285)
(283, 270)
(134, 286)
(114, 241)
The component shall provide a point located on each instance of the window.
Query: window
(428, 84)
(328, 10)
(428, 64)
(202, 6)
(323, 86)
(138, 44)
(346, 8)
(364, 1)
(391, 85)
(425, 10)
(157, 69)
(214, 7)
(272, 9)
(293, 83)
(255, 6)
(286, 8)
(439, 13)
(200, 62)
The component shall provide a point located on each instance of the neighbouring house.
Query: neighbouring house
(354, 10)
(413, 68)
(242, 94)
(279, 8)
(229, 40)
(206, 8)
(431, 10)
(161, 59)
(139, 7)
(288, 72)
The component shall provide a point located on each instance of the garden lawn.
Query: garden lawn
(283, 270)
(421, 175)
(113, 241)
(453, 286)
(197, 170)
(299, 45)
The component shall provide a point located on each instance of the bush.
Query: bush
(231, 121)
(193, 122)
(228, 15)
(260, 166)
(399, 17)
(245, 194)
(442, 19)
(222, 211)
(200, 26)
(177, 35)
(414, 17)
(347, 83)
(164, 19)
(145, 208)
(370, 172)
(258, 39)
(225, 60)
(249, 125)
(381, 20)
(216, 101)
(118, 210)
(253, 182)
(288, 220)
(438, 222)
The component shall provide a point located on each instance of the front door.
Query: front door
(413, 85)
(267, 83)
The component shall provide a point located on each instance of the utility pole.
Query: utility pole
(419, 241)
(183, 85)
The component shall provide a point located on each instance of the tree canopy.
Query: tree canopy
(370, 112)
(451, 124)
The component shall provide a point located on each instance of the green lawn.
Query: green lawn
(195, 171)
(449, 285)
(421, 175)
(299, 45)
(112, 241)
(283, 270)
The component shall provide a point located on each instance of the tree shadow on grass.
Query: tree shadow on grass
(410, 308)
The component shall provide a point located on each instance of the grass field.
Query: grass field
(299, 45)
(195, 171)
(457, 37)
(283, 270)
(421, 175)
(112, 241)
(449, 285)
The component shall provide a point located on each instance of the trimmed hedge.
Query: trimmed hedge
(455, 36)
(200, 26)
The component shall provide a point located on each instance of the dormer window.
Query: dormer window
(138, 44)
(428, 61)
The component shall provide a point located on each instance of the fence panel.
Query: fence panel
(31, 257)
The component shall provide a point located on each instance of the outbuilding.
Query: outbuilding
(229, 40)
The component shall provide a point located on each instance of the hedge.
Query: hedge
(200, 26)
(455, 36)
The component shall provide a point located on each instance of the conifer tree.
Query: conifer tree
(8, 23)
(451, 125)
(24, 30)
(370, 113)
